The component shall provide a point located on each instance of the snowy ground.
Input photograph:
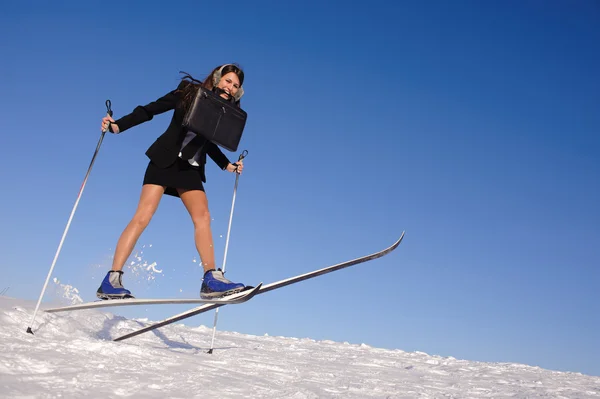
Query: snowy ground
(72, 356)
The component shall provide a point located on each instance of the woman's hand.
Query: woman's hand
(235, 167)
(106, 121)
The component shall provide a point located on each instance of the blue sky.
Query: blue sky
(474, 126)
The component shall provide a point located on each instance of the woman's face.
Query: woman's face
(230, 83)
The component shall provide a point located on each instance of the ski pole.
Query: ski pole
(237, 176)
(109, 113)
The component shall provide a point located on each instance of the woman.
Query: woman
(173, 173)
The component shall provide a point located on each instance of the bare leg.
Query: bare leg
(196, 203)
(149, 200)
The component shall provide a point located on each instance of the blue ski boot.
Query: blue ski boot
(215, 285)
(112, 286)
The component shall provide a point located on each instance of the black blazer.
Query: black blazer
(165, 150)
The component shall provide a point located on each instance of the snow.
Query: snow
(72, 355)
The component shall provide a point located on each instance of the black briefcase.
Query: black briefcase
(215, 119)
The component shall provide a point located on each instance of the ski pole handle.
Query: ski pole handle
(242, 156)
(109, 113)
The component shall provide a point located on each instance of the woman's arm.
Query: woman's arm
(145, 113)
(215, 153)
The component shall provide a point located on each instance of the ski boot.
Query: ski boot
(112, 286)
(215, 285)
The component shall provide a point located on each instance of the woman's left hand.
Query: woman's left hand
(237, 167)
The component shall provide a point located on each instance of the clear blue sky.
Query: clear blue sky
(472, 125)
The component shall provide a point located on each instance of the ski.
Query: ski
(238, 297)
(266, 288)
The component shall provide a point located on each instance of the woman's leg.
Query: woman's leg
(149, 200)
(214, 284)
(196, 203)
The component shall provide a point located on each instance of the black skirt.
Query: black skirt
(179, 175)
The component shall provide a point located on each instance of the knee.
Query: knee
(201, 219)
(142, 219)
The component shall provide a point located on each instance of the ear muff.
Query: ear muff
(217, 75)
(239, 94)
(217, 79)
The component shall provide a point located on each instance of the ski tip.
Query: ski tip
(252, 287)
(254, 290)
(399, 240)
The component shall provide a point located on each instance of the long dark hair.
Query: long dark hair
(188, 92)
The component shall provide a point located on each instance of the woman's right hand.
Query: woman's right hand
(105, 123)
